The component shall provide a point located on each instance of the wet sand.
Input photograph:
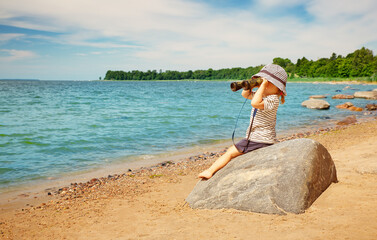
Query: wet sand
(148, 203)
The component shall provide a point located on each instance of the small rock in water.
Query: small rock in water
(366, 94)
(316, 104)
(371, 107)
(318, 96)
(344, 105)
(355, 109)
(343, 96)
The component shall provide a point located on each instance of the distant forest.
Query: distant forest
(360, 63)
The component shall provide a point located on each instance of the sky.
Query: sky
(82, 39)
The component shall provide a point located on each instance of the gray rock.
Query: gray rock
(366, 94)
(284, 177)
(316, 104)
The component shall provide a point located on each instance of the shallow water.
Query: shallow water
(50, 128)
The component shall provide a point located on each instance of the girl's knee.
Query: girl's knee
(233, 152)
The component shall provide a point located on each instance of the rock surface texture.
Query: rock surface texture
(316, 104)
(318, 96)
(371, 107)
(344, 105)
(366, 94)
(342, 96)
(284, 177)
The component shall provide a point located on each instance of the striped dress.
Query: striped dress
(263, 129)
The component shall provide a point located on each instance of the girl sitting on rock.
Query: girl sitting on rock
(265, 101)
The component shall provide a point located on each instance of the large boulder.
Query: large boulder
(316, 104)
(366, 94)
(285, 177)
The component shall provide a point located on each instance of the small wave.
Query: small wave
(7, 154)
(95, 126)
(5, 170)
(5, 144)
(34, 102)
(15, 135)
(28, 142)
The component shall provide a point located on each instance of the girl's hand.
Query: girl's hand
(264, 83)
(257, 101)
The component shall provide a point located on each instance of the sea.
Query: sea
(50, 129)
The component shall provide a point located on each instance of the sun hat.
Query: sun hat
(275, 75)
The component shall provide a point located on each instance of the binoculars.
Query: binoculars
(246, 84)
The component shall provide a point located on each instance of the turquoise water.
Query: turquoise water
(48, 128)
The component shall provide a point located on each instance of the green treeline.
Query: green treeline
(360, 63)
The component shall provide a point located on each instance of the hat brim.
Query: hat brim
(272, 80)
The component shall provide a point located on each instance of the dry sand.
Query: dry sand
(150, 204)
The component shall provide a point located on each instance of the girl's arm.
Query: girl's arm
(247, 94)
(257, 100)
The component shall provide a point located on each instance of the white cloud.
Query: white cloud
(278, 3)
(13, 54)
(6, 37)
(179, 34)
(340, 10)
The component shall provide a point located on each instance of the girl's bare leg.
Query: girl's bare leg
(231, 153)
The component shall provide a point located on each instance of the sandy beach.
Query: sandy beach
(150, 203)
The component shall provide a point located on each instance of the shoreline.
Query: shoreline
(15, 196)
(314, 80)
(37, 192)
(351, 82)
(149, 203)
(123, 164)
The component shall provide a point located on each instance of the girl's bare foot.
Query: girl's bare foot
(205, 174)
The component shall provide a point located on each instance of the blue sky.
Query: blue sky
(82, 39)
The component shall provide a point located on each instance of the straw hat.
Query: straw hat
(275, 75)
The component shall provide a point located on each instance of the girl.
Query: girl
(262, 132)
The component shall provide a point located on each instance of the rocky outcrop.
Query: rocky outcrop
(366, 94)
(316, 104)
(285, 177)
(342, 96)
